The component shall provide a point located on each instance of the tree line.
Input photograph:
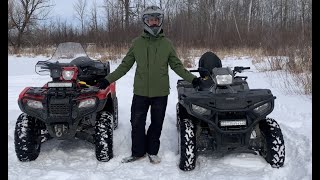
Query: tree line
(267, 24)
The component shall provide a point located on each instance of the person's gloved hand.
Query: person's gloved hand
(103, 83)
(196, 82)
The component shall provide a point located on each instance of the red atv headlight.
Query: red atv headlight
(34, 104)
(69, 73)
(86, 103)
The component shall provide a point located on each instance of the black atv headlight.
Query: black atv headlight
(200, 110)
(224, 79)
(262, 108)
(222, 76)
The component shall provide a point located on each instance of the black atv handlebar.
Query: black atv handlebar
(235, 69)
(240, 68)
(200, 69)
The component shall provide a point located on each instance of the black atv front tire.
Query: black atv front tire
(178, 117)
(27, 139)
(104, 136)
(187, 145)
(181, 114)
(115, 113)
(273, 144)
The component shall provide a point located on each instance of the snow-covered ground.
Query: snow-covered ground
(75, 159)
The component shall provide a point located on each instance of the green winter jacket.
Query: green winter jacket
(152, 55)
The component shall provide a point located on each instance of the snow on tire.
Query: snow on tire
(274, 148)
(187, 145)
(104, 136)
(26, 138)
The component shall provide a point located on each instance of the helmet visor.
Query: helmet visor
(153, 20)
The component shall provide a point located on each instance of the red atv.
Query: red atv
(69, 106)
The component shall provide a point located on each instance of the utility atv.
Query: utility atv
(69, 106)
(223, 115)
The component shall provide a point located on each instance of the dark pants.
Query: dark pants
(143, 143)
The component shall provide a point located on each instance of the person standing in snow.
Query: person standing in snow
(152, 52)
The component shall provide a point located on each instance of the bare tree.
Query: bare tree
(23, 14)
(94, 16)
(10, 11)
(236, 25)
(127, 13)
(80, 10)
(249, 15)
(273, 25)
(303, 7)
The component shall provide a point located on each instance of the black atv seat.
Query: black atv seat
(90, 71)
(82, 61)
(209, 60)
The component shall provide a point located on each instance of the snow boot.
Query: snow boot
(131, 159)
(154, 159)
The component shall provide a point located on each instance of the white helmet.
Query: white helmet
(152, 11)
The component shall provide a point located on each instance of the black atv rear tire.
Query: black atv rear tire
(115, 113)
(187, 145)
(27, 139)
(104, 136)
(274, 149)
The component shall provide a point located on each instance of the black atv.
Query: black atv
(223, 116)
(69, 106)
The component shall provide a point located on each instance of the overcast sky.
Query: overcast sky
(64, 8)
